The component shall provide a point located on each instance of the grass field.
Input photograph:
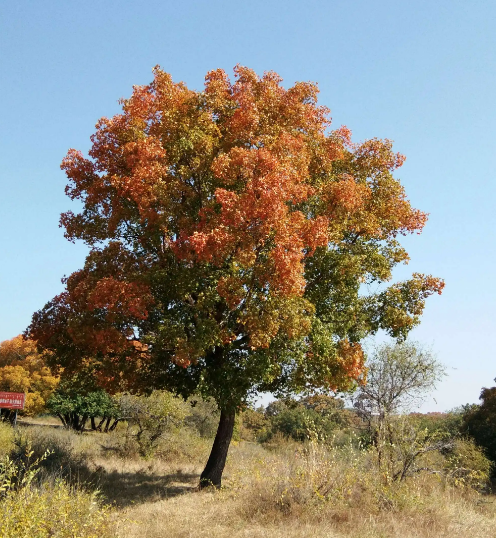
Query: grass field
(284, 490)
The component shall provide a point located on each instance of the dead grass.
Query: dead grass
(287, 491)
(43, 420)
(267, 494)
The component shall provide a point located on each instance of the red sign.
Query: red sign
(12, 400)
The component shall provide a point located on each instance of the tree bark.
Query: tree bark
(107, 424)
(62, 419)
(212, 474)
(114, 425)
(82, 424)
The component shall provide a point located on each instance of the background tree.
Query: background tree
(398, 377)
(202, 417)
(311, 417)
(23, 369)
(74, 403)
(150, 417)
(231, 232)
(479, 422)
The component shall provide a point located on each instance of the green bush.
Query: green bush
(74, 407)
(56, 511)
(318, 417)
(151, 417)
(467, 465)
(479, 422)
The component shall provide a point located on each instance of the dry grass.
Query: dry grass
(273, 494)
(287, 491)
(43, 420)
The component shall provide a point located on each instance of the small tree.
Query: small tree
(74, 403)
(402, 452)
(398, 377)
(150, 417)
(317, 416)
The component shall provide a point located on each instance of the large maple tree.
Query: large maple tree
(233, 234)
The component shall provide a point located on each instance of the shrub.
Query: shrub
(74, 407)
(253, 425)
(54, 449)
(318, 417)
(56, 511)
(467, 465)
(52, 510)
(150, 417)
(203, 417)
(6, 438)
(479, 422)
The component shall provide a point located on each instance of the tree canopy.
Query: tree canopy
(479, 422)
(399, 377)
(23, 369)
(232, 236)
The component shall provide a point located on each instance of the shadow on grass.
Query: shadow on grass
(129, 488)
(59, 455)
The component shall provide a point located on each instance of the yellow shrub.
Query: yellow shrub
(6, 439)
(56, 511)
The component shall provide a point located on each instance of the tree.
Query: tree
(398, 377)
(23, 369)
(150, 417)
(317, 417)
(231, 234)
(479, 422)
(73, 403)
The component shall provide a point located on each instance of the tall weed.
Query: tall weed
(52, 508)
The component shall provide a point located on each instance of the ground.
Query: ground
(285, 490)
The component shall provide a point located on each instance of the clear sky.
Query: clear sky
(421, 73)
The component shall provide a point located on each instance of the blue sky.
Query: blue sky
(420, 73)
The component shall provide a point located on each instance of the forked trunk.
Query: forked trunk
(212, 474)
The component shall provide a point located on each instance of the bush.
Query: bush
(150, 417)
(56, 511)
(254, 425)
(74, 407)
(467, 465)
(54, 449)
(317, 417)
(6, 438)
(203, 417)
(52, 510)
(479, 422)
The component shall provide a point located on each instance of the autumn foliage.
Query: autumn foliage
(23, 369)
(232, 233)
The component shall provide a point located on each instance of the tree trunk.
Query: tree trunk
(114, 425)
(212, 474)
(62, 419)
(82, 424)
(75, 421)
